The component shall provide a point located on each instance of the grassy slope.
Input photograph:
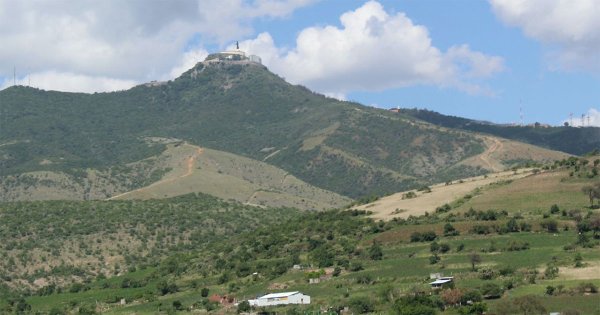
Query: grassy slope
(405, 265)
(231, 176)
(244, 109)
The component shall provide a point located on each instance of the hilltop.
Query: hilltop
(96, 146)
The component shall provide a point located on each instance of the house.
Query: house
(441, 282)
(283, 298)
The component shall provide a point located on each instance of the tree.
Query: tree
(592, 191)
(375, 251)
(361, 305)
(449, 230)
(474, 258)
(204, 292)
(529, 305)
(451, 297)
(244, 306)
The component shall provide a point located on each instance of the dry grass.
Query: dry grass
(231, 176)
(500, 150)
(591, 271)
(385, 208)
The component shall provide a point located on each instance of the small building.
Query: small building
(283, 298)
(442, 282)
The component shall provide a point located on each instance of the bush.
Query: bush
(480, 229)
(243, 307)
(487, 274)
(204, 292)
(361, 305)
(449, 230)
(414, 305)
(164, 287)
(434, 259)
(517, 246)
(423, 237)
(550, 225)
(491, 291)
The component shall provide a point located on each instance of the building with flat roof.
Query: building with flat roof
(283, 298)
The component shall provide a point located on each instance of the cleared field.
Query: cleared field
(532, 194)
(394, 206)
(500, 152)
(230, 176)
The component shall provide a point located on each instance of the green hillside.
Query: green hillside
(55, 243)
(236, 107)
(577, 141)
(504, 258)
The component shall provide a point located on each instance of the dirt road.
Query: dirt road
(189, 167)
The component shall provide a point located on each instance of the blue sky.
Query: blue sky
(477, 59)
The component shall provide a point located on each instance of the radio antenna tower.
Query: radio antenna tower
(521, 112)
(571, 119)
(588, 117)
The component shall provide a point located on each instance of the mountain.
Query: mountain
(95, 146)
(572, 140)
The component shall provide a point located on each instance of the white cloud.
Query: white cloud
(373, 51)
(188, 60)
(589, 119)
(570, 29)
(71, 82)
(133, 40)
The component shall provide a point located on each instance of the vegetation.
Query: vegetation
(244, 109)
(578, 141)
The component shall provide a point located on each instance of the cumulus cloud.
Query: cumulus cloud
(122, 41)
(589, 119)
(570, 29)
(371, 51)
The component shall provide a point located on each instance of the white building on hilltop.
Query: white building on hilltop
(282, 298)
(233, 55)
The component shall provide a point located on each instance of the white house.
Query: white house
(441, 282)
(282, 298)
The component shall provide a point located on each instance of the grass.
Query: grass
(533, 194)
(231, 176)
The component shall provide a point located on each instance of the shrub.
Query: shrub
(243, 307)
(491, 291)
(204, 292)
(361, 305)
(487, 274)
(550, 225)
(423, 237)
(517, 246)
(480, 229)
(449, 230)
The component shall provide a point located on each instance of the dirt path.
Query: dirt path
(189, 170)
(486, 156)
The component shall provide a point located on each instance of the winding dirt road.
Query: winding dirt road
(189, 170)
(486, 156)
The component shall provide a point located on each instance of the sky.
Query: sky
(503, 61)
